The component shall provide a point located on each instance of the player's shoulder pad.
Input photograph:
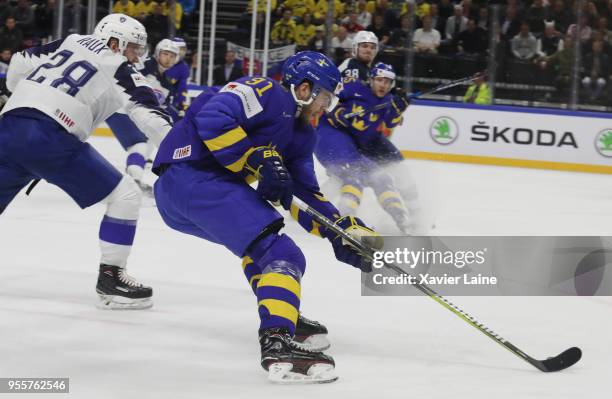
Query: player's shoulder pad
(344, 65)
(254, 94)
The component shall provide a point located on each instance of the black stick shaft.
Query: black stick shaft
(369, 253)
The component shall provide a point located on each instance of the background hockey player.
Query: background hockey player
(357, 152)
(178, 75)
(257, 129)
(134, 141)
(61, 91)
(357, 67)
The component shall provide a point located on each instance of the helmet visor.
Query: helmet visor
(326, 98)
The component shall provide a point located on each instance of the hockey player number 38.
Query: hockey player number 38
(85, 71)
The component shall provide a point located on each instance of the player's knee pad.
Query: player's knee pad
(124, 202)
(276, 253)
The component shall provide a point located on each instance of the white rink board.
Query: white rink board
(505, 135)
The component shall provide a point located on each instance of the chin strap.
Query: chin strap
(300, 103)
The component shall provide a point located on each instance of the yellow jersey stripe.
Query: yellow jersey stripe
(280, 308)
(226, 139)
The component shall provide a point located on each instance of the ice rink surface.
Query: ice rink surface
(200, 338)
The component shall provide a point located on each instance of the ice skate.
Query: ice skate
(288, 364)
(310, 335)
(117, 290)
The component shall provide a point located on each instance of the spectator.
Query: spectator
(562, 63)
(24, 17)
(399, 35)
(5, 60)
(583, 28)
(156, 25)
(299, 7)
(364, 17)
(341, 44)
(174, 11)
(437, 22)
(317, 43)
(524, 45)
(483, 18)
(5, 11)
(426, 39)
(381, 31)
(535, 16)
(602, 28)
(351, 25)
(44, 16)
(550, 42)
(596, 70)
(511, 25)
(445, 10)
(144, 8)
(478, 92)
(469, 9)
(591, 12)
(229, 71)
(561, 15)
(455, 24)
(385, 10)
(283, 31)
(261, 6)
(473, 40)
(421, 9)
(126, 7)
(11, 36)
(321, 10)
(304, 32)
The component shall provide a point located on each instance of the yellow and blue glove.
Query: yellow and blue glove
(275, 184)
(345, 252)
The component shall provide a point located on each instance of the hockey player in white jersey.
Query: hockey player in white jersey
(61, 91)
(363, 53)
(135, 142)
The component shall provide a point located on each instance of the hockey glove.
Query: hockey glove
(345, 252)
(275, 184)
(338, 118)
(400, 102)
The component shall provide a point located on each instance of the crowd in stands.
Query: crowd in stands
(534, 43)
(27, 23)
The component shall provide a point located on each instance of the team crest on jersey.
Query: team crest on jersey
(182, 152)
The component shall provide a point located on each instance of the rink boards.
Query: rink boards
(507, 136)
(501, 135)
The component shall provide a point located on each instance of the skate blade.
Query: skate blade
(107, 302)
(314, 343)
(320, 373)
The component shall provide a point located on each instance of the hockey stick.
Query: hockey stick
(418, 94)
(557, 363)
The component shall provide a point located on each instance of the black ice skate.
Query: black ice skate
(117, 290)
(310, 335)
(288, 364)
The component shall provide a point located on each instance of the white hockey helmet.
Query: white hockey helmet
(166, 45)
(364, 36)
(123, 28)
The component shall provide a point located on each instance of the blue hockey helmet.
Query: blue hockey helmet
(382, 70)
(317, 69)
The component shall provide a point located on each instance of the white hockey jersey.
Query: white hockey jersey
(79, 82)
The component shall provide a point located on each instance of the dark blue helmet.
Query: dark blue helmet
(383, 70)
(315, 68)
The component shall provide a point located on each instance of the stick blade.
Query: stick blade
(562, 361)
